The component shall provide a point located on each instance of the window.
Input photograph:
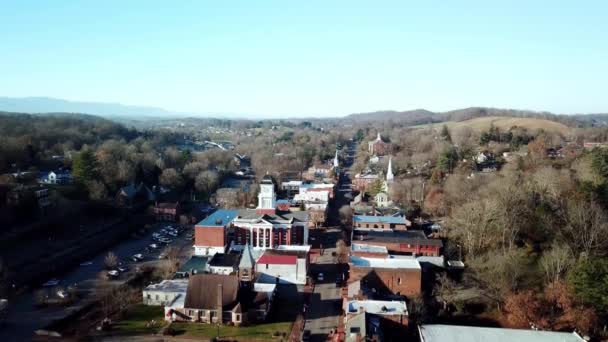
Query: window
(156, 297)
(266, 266)
(367, 225)
(355, 330)
(149, 296)
(238, 318)
(398, 280)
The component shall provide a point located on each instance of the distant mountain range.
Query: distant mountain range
(120, 112)
(36, 105)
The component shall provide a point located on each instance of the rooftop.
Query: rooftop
(458, 333)
(379, 219)
(224, 260)
(410, 236)
(378, 307)
(219, 218)
(175, 285)
(196, 264)
(361, 247)
(395, 263)
(278, 259)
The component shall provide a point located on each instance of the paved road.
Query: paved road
(24, 318)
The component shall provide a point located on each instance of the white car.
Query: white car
(137, 257)
(113, 274)
(153, 246)
(62, 294)
(51, 283)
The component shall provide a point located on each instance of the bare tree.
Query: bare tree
(346, 215)
(342, 252)
(444, 290)
(110, 261)
(556, 262)
(586, 229)
(171, 178)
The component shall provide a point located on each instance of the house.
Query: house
(591, 145)
(382, 200)
(363, 180)
(371, 319)
(379, 147)
(164, 292)
(399, 242)
(61, 177)
(224, 263)
(365, 222)
(134, 195)
(168, 212)
(291, 187)
(459, 333)
(196, 265)
(286, 265)
(394, 276)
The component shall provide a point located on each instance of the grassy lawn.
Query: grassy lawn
(136, 319)
(260, 332)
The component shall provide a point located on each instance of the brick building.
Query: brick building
(379, 147)
(363, 222)
(411, 242)
(167, 211)
(262, 228)
(377, 277)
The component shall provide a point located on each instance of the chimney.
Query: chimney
(220, 306)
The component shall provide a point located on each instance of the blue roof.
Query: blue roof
(380, 219)
(219, 218)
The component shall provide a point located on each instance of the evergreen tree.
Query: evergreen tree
(84, 166)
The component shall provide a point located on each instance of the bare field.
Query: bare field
(504, 123)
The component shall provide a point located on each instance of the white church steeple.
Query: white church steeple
(336, 162)
(267, 198)
(389, 172)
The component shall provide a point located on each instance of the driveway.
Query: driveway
(23, 316)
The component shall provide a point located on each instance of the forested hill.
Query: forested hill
(27, 138)
(422, 116)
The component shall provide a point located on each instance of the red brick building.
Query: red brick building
(379, 147)
(412, 242)
(167, 211)
(374, 277)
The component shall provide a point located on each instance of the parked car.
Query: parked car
(153, 246)
(51, 283)
(62, 294)
(122, 269)
(113, 274)
(162, 255)
(137, 257)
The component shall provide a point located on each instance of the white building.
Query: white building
(458, 333)
(288, 264)
(164, 292)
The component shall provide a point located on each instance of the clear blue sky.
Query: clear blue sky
(309, 57)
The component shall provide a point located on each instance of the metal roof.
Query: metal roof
(379, 219)
(219, 218)
(458, 333)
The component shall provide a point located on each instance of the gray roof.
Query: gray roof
(278, 218)
(409, 236)
(247, 260)
(458, 333)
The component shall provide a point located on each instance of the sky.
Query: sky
(309, 58)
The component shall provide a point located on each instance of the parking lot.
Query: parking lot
(24, 317)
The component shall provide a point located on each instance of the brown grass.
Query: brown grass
(504, 123)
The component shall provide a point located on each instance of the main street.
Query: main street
(323, 315)
(24, 318)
